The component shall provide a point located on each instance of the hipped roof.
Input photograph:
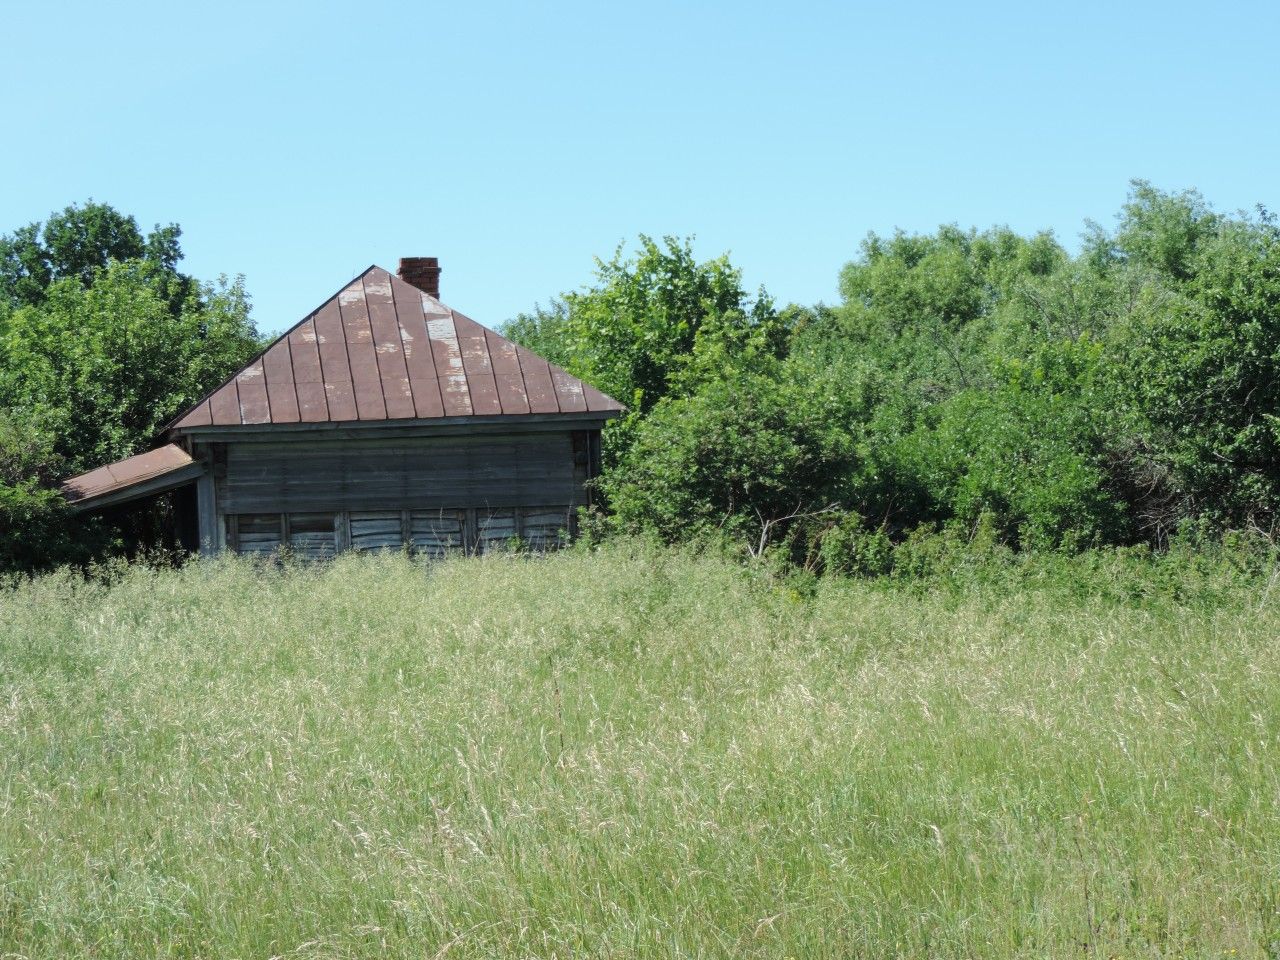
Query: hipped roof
(381, 349)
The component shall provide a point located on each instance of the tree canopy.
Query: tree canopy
(102, 342)
(77, 242)
(969, 380)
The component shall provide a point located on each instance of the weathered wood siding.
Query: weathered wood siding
(373, 475)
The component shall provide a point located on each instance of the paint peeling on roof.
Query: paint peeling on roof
(377, 286)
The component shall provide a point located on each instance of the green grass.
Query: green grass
(634, 754)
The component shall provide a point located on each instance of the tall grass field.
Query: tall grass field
(636, 753)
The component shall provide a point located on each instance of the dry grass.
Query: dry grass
(629, 754)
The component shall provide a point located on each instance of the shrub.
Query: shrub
(748, 455)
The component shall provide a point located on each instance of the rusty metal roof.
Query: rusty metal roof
(381, 349)
(151, 472)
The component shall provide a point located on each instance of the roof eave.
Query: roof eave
(516, 422)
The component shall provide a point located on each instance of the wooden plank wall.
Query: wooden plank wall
(371, 475)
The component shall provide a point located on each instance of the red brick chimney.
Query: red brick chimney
(422, 272)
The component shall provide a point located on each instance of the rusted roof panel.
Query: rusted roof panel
(597, 402)
(506, 374)
(454, 390)
(252, 388)
(282, 393)
(224, 405)
(537, 381)
(477, 366)
(308, 382)
(424, 383)
(568, 391)
(116, 478)
(199, 415)
(380, 349)
(367, 382)
(335, 368)
(398, 396)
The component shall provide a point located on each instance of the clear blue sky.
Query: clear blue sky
(298, 143)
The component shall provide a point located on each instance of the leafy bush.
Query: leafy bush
(1020, 458)
(653, 326)
(749, 455)
(845, 546)
(32, 512)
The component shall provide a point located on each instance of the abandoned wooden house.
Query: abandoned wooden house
(383, 419)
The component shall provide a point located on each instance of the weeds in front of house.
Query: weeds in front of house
(631, 752)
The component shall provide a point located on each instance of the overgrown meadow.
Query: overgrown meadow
(633, 752)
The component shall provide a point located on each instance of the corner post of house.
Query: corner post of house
(206, 502)
(208, 514)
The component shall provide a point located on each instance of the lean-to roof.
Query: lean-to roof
(152, 472)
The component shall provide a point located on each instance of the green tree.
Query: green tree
(106, 366)
(76, 243)
(32, 516)
(989, 384)
(1197, 355)
(929, 305)
(102, 342)
(637, 331)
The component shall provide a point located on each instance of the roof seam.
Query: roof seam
(462, 359)
(266, 388)
(555, 388)
(404, 356)
(293, 379)
(324, 393)
(399, 363)
(488, 357)
(373, 345)
(523, 382)
(426, 342)
(431, 357)
(346, 352)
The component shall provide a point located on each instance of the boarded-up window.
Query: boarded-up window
(494, 529)
(544, 528)
(376, 531)
(430, 533)
(258, 533)
(311, 535)
(433, 533)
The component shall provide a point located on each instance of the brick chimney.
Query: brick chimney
(422, 272)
